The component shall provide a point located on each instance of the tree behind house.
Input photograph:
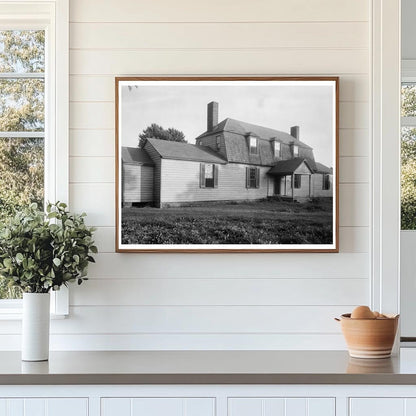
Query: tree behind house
(154, 131)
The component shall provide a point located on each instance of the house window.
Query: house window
(298, 181)
(276, 148)
(218, 142)
(208, 175)
(253, 142)
(33, 113)
(252, 177)
(295, 150)
(326, 183)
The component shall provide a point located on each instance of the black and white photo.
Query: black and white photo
(227, 164)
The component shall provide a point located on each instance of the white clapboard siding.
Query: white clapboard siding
(93, 143)
(218, 11)
(101, 88)
(200, 319)
(218, 35)
(220, 61)
(162, 341)
(354, 170)
(148, 291)
(354, 142)
(354, 204)
(180, 182)
(213, 301)
(352, 240)
(96, 199)
(91, 169)
(239, 266)
(195, 320)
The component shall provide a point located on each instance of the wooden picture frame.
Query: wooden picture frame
(239, 178)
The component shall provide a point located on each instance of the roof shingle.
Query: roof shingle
(185, 151)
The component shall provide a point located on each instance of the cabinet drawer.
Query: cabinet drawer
(44, 407)
(278, 406)
(160, 406)
(382, 406)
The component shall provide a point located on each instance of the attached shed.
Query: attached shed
(137, 176)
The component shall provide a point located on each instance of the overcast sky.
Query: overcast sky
(279, 107)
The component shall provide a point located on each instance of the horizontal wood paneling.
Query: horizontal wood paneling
(94, 143)
(96, 199)
(145, 342)
(238, 266)
(218, 35)
(354, 205)
(217, 11)
(101, 88)
(354, 142)
(220, 62)
(354, 170)
(142, 291)
(94, 169)
(352, 239)
(270, 37)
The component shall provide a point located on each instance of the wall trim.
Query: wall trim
(385, 204)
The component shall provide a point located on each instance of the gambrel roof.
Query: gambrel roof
(236, 132)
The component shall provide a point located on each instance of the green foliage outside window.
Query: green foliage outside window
(408, 160)
(21, 110)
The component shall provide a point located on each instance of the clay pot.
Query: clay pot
(369, 338)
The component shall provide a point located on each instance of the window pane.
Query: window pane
(22, 51)
(408, 178)
(22, 105)
(21, 182)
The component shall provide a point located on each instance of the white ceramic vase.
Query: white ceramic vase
(35, 327)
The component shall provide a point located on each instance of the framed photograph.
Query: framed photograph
(227, 164)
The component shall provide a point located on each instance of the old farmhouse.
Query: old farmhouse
(231, 160)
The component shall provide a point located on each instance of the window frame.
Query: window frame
(295, 154)
(279, 153)
(256, 147)
(203, 178)
(53, 17)
(256, 178)
(326, 182)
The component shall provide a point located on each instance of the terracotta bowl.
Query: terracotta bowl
(369, 338)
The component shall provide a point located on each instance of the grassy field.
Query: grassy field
(259, 222)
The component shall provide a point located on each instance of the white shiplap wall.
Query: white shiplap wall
(197, 301)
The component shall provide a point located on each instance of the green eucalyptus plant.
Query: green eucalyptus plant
(42, 251)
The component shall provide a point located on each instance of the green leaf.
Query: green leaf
(56, 262)
(94, 249)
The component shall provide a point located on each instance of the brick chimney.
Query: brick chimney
(212, 115)
(294, 132)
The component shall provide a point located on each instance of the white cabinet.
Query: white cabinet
(44, 407)
(160, 406)
(382, 406)
(281, 406)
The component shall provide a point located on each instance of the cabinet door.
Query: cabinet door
(270, 406)
(160, 406)
(44, 407)
(380, 406)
